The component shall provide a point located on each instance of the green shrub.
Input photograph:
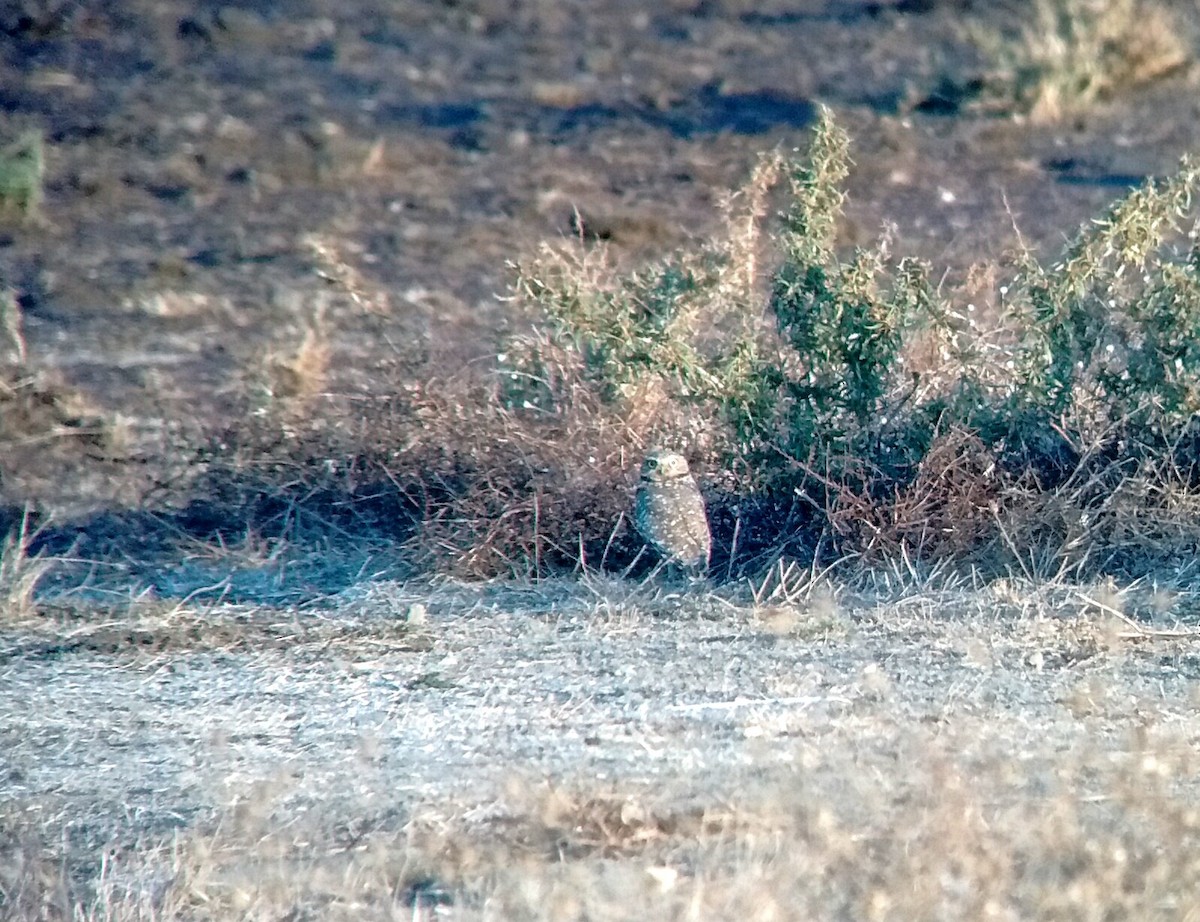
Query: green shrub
(833, 401)
(1109, 332)
(820, 400)
(843, 323)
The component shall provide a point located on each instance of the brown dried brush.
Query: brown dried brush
(946, 511)
(519, 494)
(335, 268)
(741, 281)
(297, 375)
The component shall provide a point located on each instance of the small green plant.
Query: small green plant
(643, 325)
(22, 166)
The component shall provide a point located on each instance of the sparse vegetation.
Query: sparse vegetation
(882, 748)
(1062, 57)
(837, 404)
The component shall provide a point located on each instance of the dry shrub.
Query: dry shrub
(297, 375)
(557, 822)
(1109, 515)
(504, 493)
(947, 510)
(1069, 55)
(50, 434)
(34, 884)
(464, 483)
(20, 572)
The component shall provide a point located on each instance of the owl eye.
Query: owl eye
(652, 463)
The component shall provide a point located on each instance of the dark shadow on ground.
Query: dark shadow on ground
(297, 545)
(242, 543)
(707, 112)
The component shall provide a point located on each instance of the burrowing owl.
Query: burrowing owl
(669, 512)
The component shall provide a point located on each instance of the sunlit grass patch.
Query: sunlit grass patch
(1060, 58)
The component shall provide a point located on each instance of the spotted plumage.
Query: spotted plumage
(668, 511)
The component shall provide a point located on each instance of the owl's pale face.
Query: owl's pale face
(664, 465)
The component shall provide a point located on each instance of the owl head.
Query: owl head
(664, 465)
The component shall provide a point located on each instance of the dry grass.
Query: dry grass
(295, 376)
(12, 334)
(1070, 55)
(950, 841)
(20, 574)
(875, 796)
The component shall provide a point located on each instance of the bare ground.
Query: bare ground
(596, 749)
